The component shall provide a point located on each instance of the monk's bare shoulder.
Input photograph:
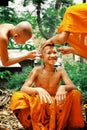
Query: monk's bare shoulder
(4, 29)
(60, 70)
(36, 70)
(6, 25)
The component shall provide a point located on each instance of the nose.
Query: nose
(53, 55)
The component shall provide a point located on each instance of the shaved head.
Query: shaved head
(24, 27)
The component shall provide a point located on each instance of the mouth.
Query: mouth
(53, 61)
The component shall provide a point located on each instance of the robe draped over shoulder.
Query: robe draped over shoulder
(75, 22)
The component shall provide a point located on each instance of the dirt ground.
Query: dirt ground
(8, 121)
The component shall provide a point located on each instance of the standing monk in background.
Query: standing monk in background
(20, 33)
(73, 30)
(45, 104)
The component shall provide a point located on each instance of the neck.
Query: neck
(11, 32)
(49, 68)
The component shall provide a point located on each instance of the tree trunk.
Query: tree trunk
(39, 21)
(84, 1)
(51, 32)
(57, 4)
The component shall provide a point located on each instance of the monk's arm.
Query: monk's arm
(27, 86)
(6, 61)
(63, 89)
(68, 50)
(58, 38)
(69, 85)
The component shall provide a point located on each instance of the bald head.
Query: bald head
(24, 28)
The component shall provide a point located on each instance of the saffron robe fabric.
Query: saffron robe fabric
(75, 22)
(32, 114)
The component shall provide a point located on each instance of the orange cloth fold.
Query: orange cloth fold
(32, 114)
(70, 114)
(75, 22)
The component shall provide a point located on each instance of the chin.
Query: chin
(52, 64)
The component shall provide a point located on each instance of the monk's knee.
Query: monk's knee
(76, 95)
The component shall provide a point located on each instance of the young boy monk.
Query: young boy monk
(43, 103)
(73, 30)
(20, 33)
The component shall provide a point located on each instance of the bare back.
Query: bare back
(4, 34)
(5, 28)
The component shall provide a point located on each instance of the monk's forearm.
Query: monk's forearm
(59, 38)
(69, 87)
(64, 88)
(74, 51)
(29, 90)
(11, 61)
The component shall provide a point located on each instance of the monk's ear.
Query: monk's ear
(15, 35)
(41, 56)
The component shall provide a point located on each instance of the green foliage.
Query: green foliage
(27, 47)
(61, 12)
(78, 74)
(7, 15)
(12, 45)
(36, 2)
(16, 80)
(50, 21)
(12, 1)
(67, 2)
(26, 2)
(5, 75)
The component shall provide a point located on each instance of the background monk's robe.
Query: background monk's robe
(31, 113)
(75, 22)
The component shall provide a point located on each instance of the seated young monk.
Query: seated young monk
(20, 33)
(43, 103)
(73, 30)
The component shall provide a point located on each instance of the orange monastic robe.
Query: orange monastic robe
(75, 22)
(36, 116)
